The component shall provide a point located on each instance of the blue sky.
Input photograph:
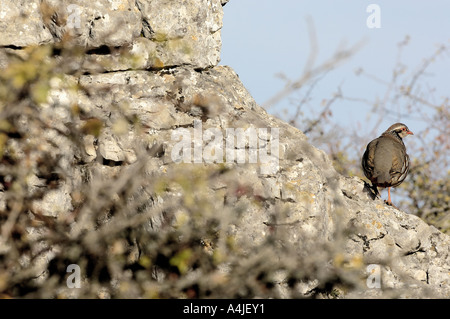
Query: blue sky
(262, 38)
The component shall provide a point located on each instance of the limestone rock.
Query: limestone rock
(183, 33)
(314, 204)
(119, 35)
(21, 24)
(93, 23)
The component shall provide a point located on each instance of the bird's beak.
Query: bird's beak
(410, 133)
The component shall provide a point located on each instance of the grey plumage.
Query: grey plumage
(385, 162)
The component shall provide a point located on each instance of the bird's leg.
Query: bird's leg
(389, 202)
(389, 196)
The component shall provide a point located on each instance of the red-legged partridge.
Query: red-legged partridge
(385, 162)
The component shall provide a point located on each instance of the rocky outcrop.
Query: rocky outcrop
(121, 34)
(150, 77)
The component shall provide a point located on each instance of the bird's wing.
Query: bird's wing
(367, 160)
(384, 151)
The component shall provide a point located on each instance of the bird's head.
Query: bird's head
(399, 129)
